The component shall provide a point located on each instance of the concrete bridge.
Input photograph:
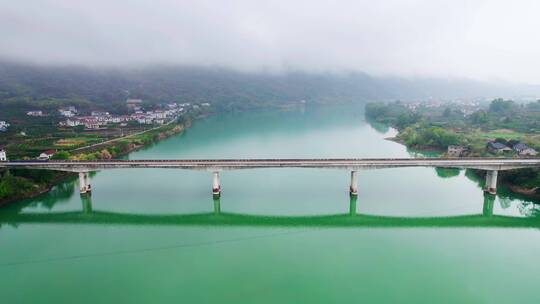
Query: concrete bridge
(491, 165)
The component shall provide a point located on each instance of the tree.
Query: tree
(479, 117)
(61, 155)
(376, 110)
(105, 154)
(501, 106)
(447, 112)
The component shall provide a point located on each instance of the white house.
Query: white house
(90, 123)
(35, 113)
(114, 119)
(66, 113)
(73, 122)
(159, 114)
(3, 126)
(145, 120)
(47, 154)
(99, 113)
(3, 155)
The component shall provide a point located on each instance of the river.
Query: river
(276, 235)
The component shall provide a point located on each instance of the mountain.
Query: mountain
(229, 88)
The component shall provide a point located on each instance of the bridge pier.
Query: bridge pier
(84, 183)
(353, 189)
(216, 185)
(491, 182)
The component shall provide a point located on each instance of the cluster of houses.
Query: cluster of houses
(98, 119)
(465, 106)
(3, 126)
(495, 147)
(520, 148)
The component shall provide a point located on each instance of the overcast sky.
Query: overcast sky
(486, 40)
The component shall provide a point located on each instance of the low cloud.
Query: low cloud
(483, 40)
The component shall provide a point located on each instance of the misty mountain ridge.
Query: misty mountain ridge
(225, 87)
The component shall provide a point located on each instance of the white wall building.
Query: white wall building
(66, 113)
(3, 155)
(3, 126)
(34, 113)
(73, 122)
(47, 154)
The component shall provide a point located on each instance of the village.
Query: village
(99, 119)
(75, 128)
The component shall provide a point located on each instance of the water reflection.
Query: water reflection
(59, 194)
(352, 204)
(217, 205)
(86, 203)
(529, 209)
(489, 202)
(87, 215)
(447, 172)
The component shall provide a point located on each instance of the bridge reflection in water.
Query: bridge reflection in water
(218, 218)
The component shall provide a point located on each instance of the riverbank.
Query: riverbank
(528, 192)
(431, 149)
(434, 129)
(26, 191)
(19, 185)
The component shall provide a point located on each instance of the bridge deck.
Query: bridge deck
(232, 164)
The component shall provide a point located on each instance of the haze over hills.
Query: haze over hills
(226, 87)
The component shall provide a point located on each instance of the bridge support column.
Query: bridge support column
(216, 185)
(353, 189)
(84, 183)
(491, 182)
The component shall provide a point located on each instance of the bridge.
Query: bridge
(491, 165)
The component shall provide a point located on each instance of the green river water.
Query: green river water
(414, 235)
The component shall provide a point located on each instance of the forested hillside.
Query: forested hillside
(226, 89)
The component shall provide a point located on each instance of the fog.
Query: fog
(484, 40)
